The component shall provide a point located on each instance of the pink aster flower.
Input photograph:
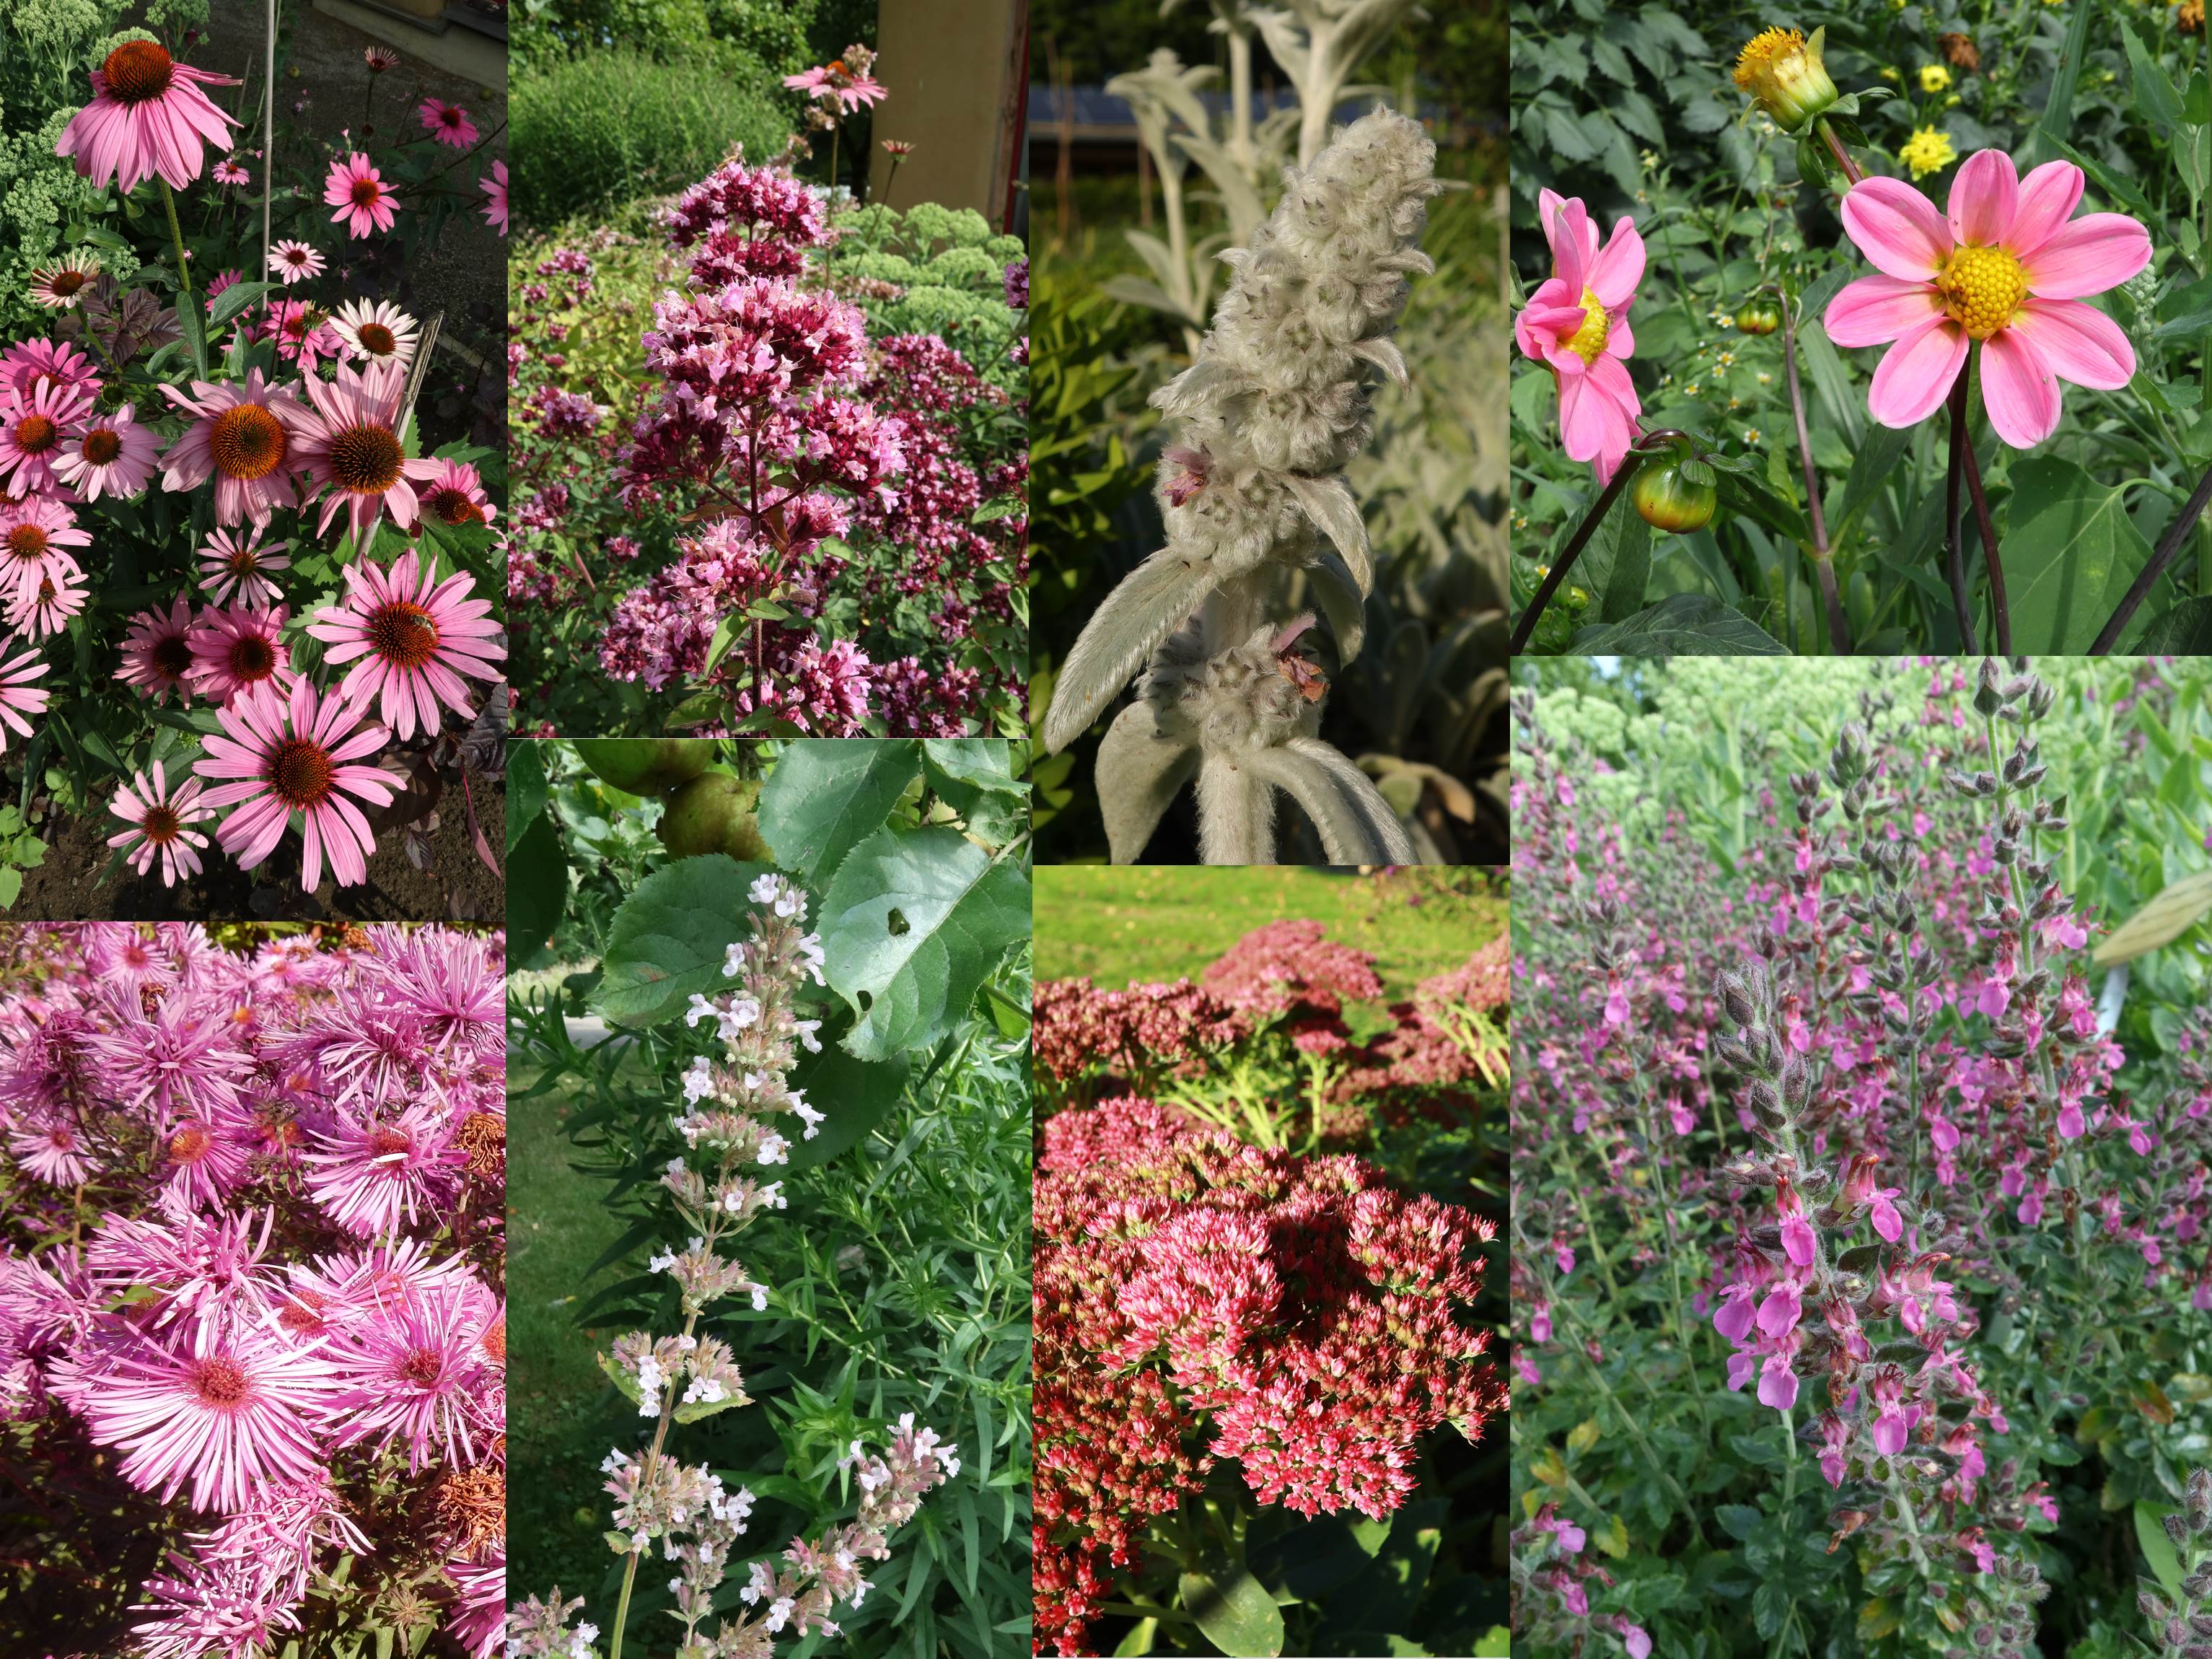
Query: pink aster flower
(371, 1174)
(414, 637)
(206, 1159)
(242, 1411)
(2008, 266)
(455, 495)
(237, 563)
(160, 823)
(34, 422)
(235, 650)
(351, 446)
(40, 612)
(35, 535)
(412, 1374)
(449, 123)
(294, 261)
(1576, 324)
(357, 190)
(494, 186)
(147, 116)
(110, 455)
(297, 754)
(157, 652)
(244, 436)
(52, 1153)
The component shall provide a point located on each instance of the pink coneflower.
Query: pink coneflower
(224, 279)
(294, 261)
(237, 563)
(157, 652)
(351, 446)
(449, 123)
(410, 1374)
(34, 363)
(235, 650)
(295, 754)
(241, 1411)
(228, 172)
(52, 1153)
(147, 116)
(159, 824)
(376, 331)
(35, 535)
(44, 612)
(62, 285)
(493, 184)
(379, 59)
(33, 424)
(456, 495)
(415, 637)
(113, 455)
(359, 193)
(244, 436)
(836, 83)
(1576, 325)
(374, 1172)
(301, 330)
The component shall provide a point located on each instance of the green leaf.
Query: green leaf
(1308, 1561)
(984, 762)
(2157, 1547)
(622, 1377)
(1496, 1644)
(537, 888)
(692, 1411)
(2059, 109)
(726, 633)
(824, 798)
(526, 790)
(1384, 1594)
(2161, 921)
(1238, 1616)
(1680, 625)
(2156, 101)
(1631, 568)
(668, 940)
(2068, 556)
(2183, 631)
(909, 976)
(234, 299)
(854, 1095)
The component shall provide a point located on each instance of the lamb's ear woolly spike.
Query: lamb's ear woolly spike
(1235, 810)
(1328, 503)
(1356, 823)
(1149, 605)
(1338, 595)
(1383, 353)
(1139, 773)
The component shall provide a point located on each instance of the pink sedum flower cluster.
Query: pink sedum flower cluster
(246, 1321)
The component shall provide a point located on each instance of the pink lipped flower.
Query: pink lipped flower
(1576, 324)
(2008, 266)
(277, 756)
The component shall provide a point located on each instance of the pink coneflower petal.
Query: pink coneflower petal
(39, 613)
(357, 190)
(109, 455)
(161, 824)
(33, 426)
(237, 563)
(494, 186)
(33, 363)
(281, 755)
(235, 650)
(147, 116)
(414, 637)
(35, 535)
(294, 261)
(455, 495)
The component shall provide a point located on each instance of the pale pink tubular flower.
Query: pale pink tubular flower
(364, 202)
(413, 637)
(1576, 324)
(244, 436)
(147, 116)
(2008, 266)
(297, 754)
(159, 824)
(242, 1411)
(112, 455)
(350, 445)
(494, 186)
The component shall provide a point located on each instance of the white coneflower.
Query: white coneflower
(376, 331)
(62, 286)
(1271, 409)
(293, 262)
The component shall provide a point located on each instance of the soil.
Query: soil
(70, 884)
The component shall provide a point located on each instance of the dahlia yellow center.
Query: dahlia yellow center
(1587, 341)
(1983, 288)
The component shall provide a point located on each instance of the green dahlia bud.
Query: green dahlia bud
(1782, 72)
(1758, 316)
(1678, 497)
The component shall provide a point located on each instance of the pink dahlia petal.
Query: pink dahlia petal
(1619, 268)
(2048, 197)
(2019, 390)
(1876, 310)
(1565, 228)
(2092, 253)
(1915, 375)
(1983, 198)
(2079, 342)
(1897, 227)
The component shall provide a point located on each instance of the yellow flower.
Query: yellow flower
(1889, 74)
(1934, 77)
(1928, 151)
(1782, 72)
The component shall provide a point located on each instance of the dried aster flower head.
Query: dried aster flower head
(1266, 417)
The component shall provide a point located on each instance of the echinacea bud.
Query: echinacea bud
(1784, 75)
(1758, 316)
(1678, 497)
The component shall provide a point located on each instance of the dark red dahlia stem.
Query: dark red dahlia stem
(2162, 556)
(1607, 497)
(1955, 556)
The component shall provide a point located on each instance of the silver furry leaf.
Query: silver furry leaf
(1140, 772)
(1150, 604)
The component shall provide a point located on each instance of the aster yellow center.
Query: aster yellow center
(1983, 288)
(1587, 341)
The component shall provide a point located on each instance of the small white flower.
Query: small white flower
(760, 1298)
(741, 1012)
(812, 1119)
(773, 1193)
(761, 1583)
(676, 1166)
(641, 1539)
(765, 889)
(733, 961)
(810, 955)
(775, 1150)
(778, 1613)
(661, 1263)
(807, 1029)
(698, 1080)
(700, 1009)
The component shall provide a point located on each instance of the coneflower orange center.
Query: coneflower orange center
(64, 283)
(252, 658)
(191, 1141)
(244, 562)
(366, 193)
(247, 442)
(172, 655)
(402, 634)
(375, 337)
(301, 773)
(101, 445)
(422, 1367)
(365, 460)
(160, 826)
(451, 506)
(219, 1381)
(26, 542)
(137, 70)
(35, 434)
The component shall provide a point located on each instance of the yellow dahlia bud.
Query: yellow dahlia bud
(1782, 72)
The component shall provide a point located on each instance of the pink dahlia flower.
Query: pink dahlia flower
(234, 650)
(1576, 324)
(35, 535)
(147, 116)
(238, 564)
(449, 123)
(113, 455)
(494, 186)
(364, 202)
(414, 637)
(157, 652)
(244, 436)
(34, 423)
(297, 754)
(242, 1412)
(159, 824)
(2008, 266)
(350, 445)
